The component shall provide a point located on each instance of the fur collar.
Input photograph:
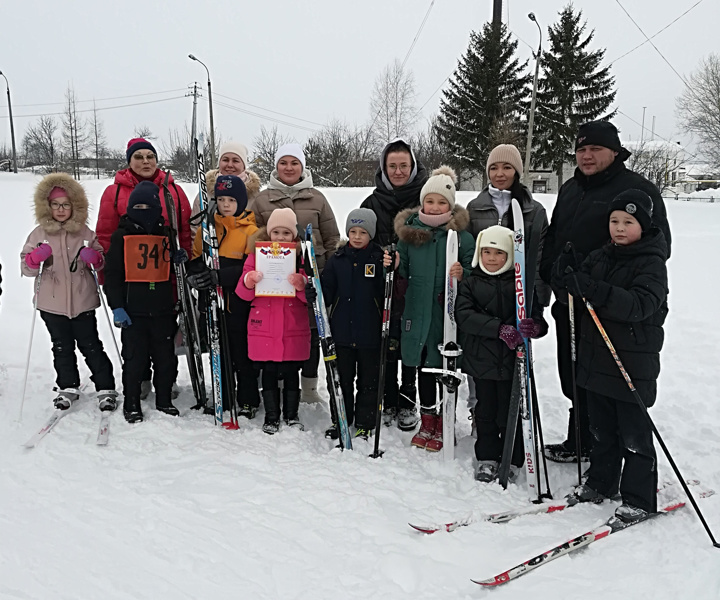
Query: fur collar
(412, 231)
(76, 195)
(252, 184)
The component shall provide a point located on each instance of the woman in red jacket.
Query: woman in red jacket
(142, 166)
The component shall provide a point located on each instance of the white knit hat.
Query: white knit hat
(498, 237)
(235, 148)
(294, 150)
(505, 153)
(442, 182)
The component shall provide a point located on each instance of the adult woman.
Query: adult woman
(142, 166)
(233, 161)
(291, 186)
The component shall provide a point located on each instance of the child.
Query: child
(626, 282)
(139, 290)
(234, 226)
(423, 238)
(354, 287)
(59, 253)
(278, 328)
(486, 318)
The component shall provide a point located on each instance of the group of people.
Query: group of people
(607, 243)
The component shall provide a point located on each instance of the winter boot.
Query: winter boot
(166, 406)
(107, 400)
(132, 411)
(363, 433)
(630, 514)
(291, 403)
(563, 453)
(389, 415)
(332, 432)
(584, 493)
(486, 471)
(310, 393)
(428, 423)
(271, 400)
(65, 398)
(435, 444)
(145, 389)
(247, 411)
(407, 419)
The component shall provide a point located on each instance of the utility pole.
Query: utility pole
(193, 131)
(642, 128)
(212, 123)
(12, 125)
(531, 118)
(497, 13)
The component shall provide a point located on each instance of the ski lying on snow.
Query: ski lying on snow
(47, 428)
(104, 429)
(509, 515)
(612, 525)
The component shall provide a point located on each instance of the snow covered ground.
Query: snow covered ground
(174, 508)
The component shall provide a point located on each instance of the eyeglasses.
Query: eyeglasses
(58, 206)
(143, 157)
(403, 168)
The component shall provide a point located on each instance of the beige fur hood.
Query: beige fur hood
(76, 195)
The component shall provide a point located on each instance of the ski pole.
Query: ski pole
(105, 308)
(387, 305)
(32, 334)
(540, 439)
(575, 400)
(645, 412)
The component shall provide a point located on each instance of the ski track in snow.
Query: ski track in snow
(178, 509)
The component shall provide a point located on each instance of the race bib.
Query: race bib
(147, 258)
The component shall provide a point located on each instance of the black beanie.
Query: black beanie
(598, 133)
(230, 185)
(138, 144)
(636, 203)
(145, 192)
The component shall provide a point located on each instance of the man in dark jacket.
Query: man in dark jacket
(580, 217)
(398, 181)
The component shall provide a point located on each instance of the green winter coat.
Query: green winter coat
(422, 263)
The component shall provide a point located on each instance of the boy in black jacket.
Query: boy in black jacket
(626, 282)
(141, 295)
(353, 287)
(486, 317)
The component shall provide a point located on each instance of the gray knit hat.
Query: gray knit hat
(505, 153)
(361, 217)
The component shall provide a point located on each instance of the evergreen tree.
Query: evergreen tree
(488, 93)
(572, 90)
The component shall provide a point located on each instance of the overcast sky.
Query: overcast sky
(312, 61)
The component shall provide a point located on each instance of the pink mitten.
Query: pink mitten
(91, 257)
(297, 280)
(252, 279)
(39, 255)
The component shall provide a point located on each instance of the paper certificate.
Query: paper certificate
(275, 260)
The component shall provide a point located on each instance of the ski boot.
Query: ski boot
(107, 400)
(584, 493)
(486, 471)
(630, 514)
(563, 453)
(428, 423)
(363, 433)
(65, 398)
(247, 411)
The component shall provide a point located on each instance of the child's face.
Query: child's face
(502, 175)
(493, 259)
(61, 209)
(624, 228)
(227, 205)
(359, 238)
(435, 204)
(281, 234)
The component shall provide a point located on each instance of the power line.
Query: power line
(264, 117)
(656, 34)
(270, 111)
(103, 99)
(98, 109)
(692, 155)
(417, 35)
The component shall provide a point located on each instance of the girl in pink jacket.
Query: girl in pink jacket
(59, 253)
(278, 327)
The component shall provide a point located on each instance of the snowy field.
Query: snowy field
(175, 508)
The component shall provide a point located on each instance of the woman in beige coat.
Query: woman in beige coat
(59, 253)
(291, 186)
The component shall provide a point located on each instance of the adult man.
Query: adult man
(580, 217)
(398, 181)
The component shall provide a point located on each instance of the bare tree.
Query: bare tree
(41, 144)
(392, 105)
(265, 146)
(658, 161)
(428, 146)
(178, 153)
(143, 132)
(74, 133)
(698, 107)
(99, 141)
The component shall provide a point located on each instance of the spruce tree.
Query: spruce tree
(573, 90)
(488, 93)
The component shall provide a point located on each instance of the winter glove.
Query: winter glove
(581, 285)
(510, 336)
(205, 280)
(90, 257)
(310, 293)
(530, 328)
(297, 280)
(39, 255)
(252, 279)
(121, 318)
(568, 261)
(180, 256)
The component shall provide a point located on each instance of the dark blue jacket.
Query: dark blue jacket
(354, 286)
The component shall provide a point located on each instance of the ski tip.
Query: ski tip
(495, 581)
(425, 528)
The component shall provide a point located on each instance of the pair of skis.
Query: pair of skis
(103, 431)
(326, 342)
